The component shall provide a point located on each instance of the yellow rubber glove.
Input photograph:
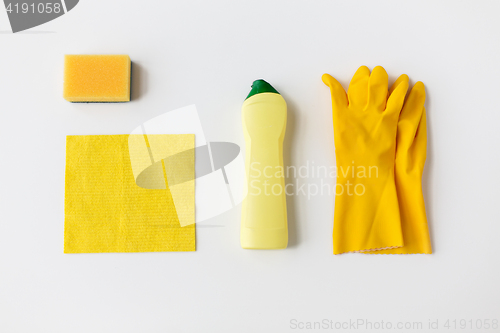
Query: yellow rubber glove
(365, 123)
(411, 149)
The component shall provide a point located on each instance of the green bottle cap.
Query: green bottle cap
(261, 86)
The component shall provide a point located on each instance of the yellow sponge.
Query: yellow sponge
(97, 78)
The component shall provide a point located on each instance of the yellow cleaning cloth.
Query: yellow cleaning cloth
(155, 157)
(106, 211)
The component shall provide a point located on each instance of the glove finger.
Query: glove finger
(420, 142)
(339, 98)
(397, 97)
(358, 88)
(412, 109)
(401, 78)
(377, 88)
(411, 116)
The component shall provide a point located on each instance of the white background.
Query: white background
(208, 53)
